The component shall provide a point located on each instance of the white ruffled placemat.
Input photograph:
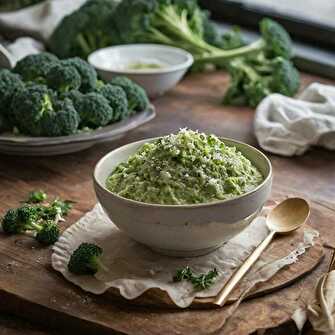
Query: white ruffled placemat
(289, 127)
(134, 269)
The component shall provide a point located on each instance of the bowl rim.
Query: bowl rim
(169, 69)
(103, 159)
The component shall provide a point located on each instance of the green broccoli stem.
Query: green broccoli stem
(84, 44)
(224, 56)
(252, 74)
(34, 227)
(169, 19)
(99, 265)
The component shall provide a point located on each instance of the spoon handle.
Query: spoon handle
(222, 296)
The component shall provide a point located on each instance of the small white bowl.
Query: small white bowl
(182, 230)
(113, 61)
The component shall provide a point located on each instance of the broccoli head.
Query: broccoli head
(117, 99)
(63, 77)
(85, 260)
(27, 214)
(94, 110)
(87, 73)
(75, 96)
(286, 79)
(29, 106)
(9, 84)
(85, 30)
(47, 233)
(11, 224)
(136, 95)
(63, 120)
(277, 41)
(19, 220)
(35, 67)
(255, 78)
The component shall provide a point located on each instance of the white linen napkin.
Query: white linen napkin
(40, 19)
(289, 127)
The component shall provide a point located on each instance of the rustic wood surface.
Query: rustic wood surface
(195, 103)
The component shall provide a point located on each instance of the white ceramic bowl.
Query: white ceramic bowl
(182, 230)
(113, 61)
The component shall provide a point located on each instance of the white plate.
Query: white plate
(50, 146)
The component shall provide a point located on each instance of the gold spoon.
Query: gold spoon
(286, 217)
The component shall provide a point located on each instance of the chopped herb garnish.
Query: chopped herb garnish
(199, 282)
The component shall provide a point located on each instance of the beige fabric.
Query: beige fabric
(321, 311)
(133, 268)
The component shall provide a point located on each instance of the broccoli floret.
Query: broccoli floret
(85, 30)
(11, 224)
(10, 83)
(47, 233)
(29, 106)
(286, 79)
(87, 73)
(94, 110)
(40, 219)
(54, 211)
(275, 42)
(63, 120)
(86, 260)
(117, 99)
(35, 67)
(136, 95)
(19, 220)
(75, 96)
(275, 39)
(256, 78)
(231, 39)
(35, 197)
(63, 77)
(63, 207)
(25, 219)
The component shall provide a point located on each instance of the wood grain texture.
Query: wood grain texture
(195, 103)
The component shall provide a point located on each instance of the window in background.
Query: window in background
(308, 20)
(318, 11)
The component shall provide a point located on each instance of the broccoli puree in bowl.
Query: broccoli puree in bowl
(184, 168)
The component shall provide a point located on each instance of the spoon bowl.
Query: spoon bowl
(288, 216)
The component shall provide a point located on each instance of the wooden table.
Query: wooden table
(195, 103)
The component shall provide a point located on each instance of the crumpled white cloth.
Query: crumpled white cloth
(40, 19)
(20, 48)
(289, 127)
(134, 269)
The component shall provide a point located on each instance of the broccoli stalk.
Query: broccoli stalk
(183, 24)
(86, 260)
(176, 21)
